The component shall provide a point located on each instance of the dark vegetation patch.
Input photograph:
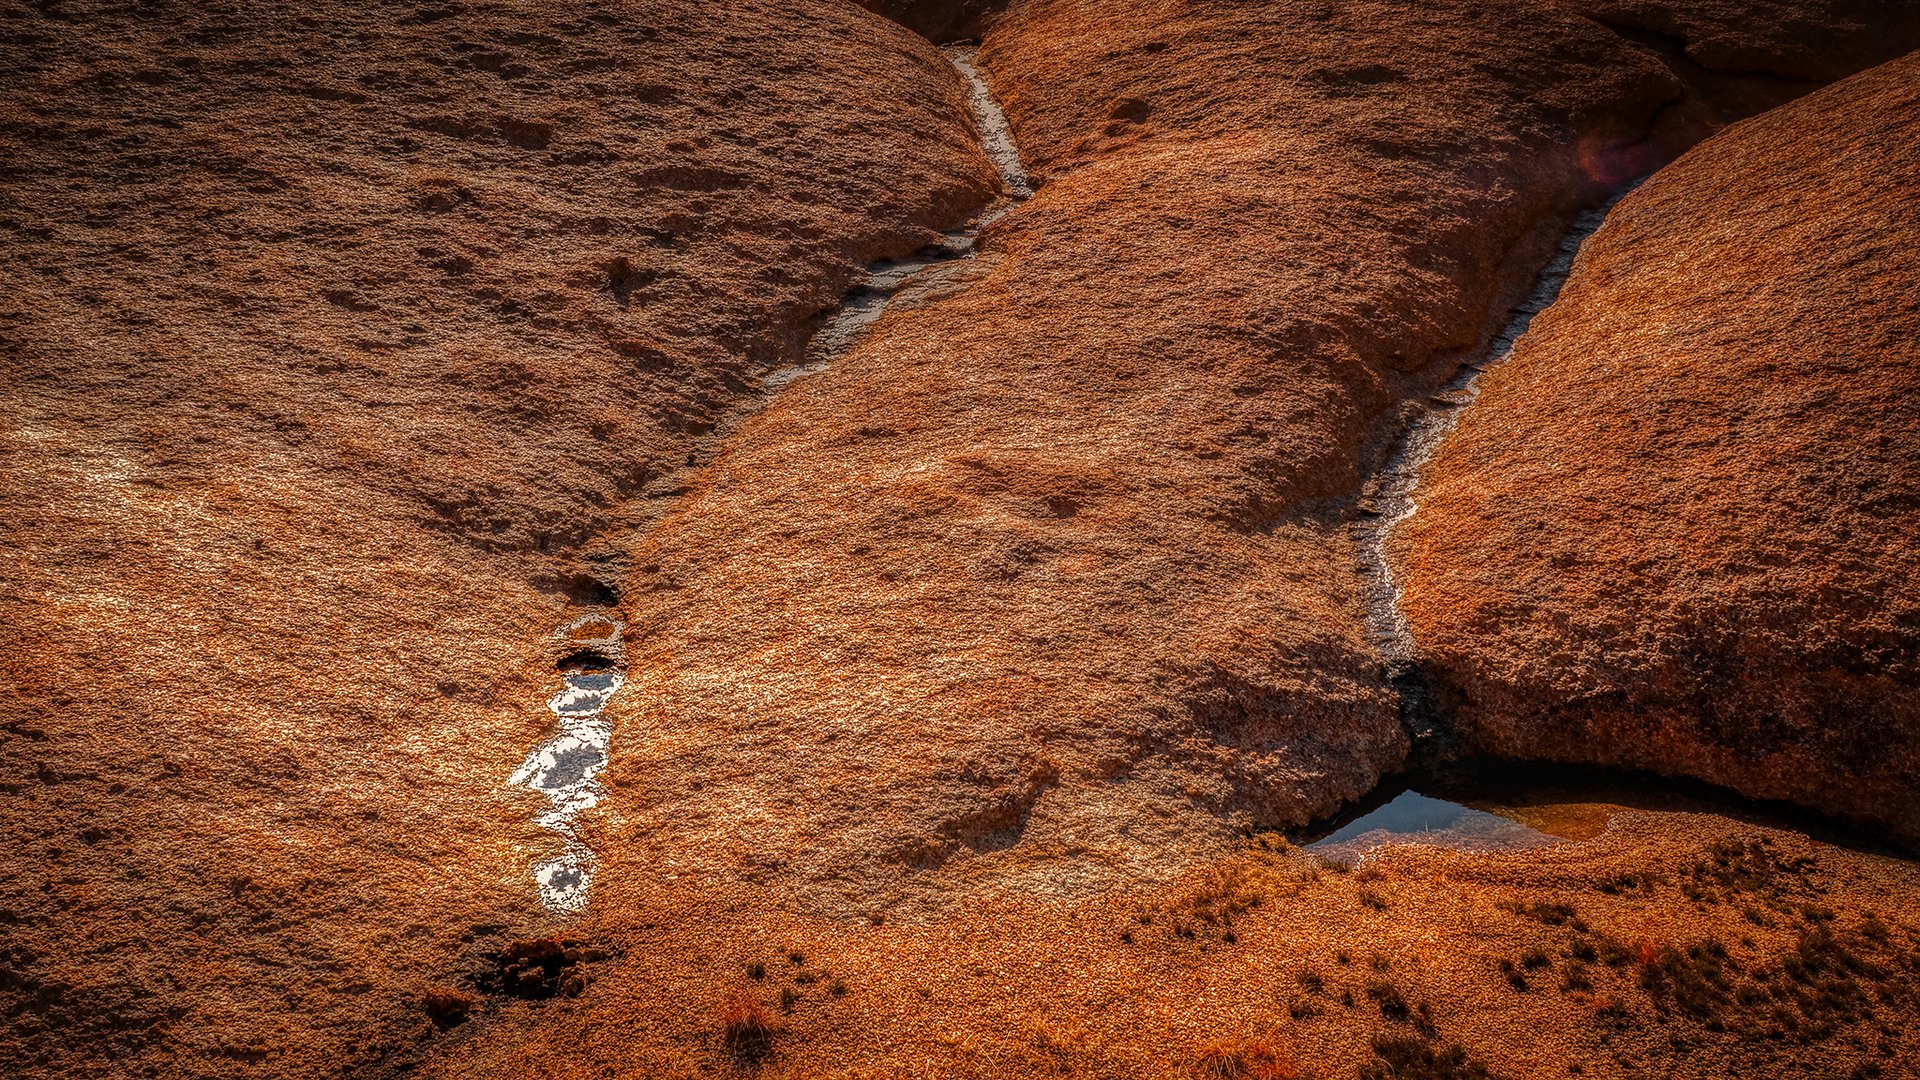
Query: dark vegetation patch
(1403, 1057)
(746, 1029)
(1547, 914)
(1211, 910)
(1734, 869)
(541, 968)
(1839, 978)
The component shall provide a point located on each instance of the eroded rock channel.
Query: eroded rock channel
(885, 280)
(1388, 499)
(566, 767)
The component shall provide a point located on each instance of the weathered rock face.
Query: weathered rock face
(1048, 579)
(320, 327)
(1677, 530)
(345, 354)
(1809, 43)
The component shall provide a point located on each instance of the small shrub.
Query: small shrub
(1224, 893)
(1626, 883)
(1737, 867)
(1514, 978)
(756, 970)
(1548, 914)
(1693, 980)
(1399, 1057)
(1371, 899)
(837, 988)
(1312, 982)
(1574, 977)
(1535, 959)
(1612, 1012)
(745, 1028)
(1393, 1004)
(1614, 954)
(1260, 1058)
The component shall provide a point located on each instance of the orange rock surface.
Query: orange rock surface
(346, 353)
(1677, 530)
(1048, 579)
(326, 334)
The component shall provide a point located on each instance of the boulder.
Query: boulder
(1676, 531)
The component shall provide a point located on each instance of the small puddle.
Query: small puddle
(566, 767)
(1486, 808)
(1413, 818)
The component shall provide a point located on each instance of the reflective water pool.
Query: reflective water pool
(1493, 807)
(1413, 818)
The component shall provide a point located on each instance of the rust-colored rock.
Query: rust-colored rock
(329, 334)
(1048, 580)
(347, 353)
(1677, 531)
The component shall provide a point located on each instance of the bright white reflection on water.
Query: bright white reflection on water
(1413, 818)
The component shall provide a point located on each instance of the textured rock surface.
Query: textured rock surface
(319, 326)
(1676, 532)
(345, 354)
(1741, 57)
(1262, 948)
(1048, 580)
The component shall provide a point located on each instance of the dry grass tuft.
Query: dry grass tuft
(1226, 892)
(1258, 1058)
(1398, 1057)
(746, 1028)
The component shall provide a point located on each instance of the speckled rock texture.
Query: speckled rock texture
(329, 334)
(1048, 581)
(346, 352)
(1677, 530)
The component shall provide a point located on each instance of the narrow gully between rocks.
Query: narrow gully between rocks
(1388, 498)
(567, 765)
(884, 280)
(1447, 796)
